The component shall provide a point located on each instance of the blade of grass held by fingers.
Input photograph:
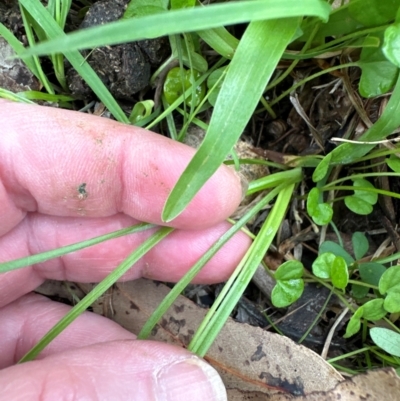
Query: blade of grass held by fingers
(178, 21)
(240, 93)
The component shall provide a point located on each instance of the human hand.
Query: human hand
(46, 155)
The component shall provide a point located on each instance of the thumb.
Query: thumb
(118, 370)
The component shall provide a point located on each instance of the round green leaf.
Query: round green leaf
(374, 310)
(333, 247)
(391, 44)
(287, 292)
(368, 196)
(387, 339)
(390, 279)
(394, 163)
(359, 291)
(322, 265)
(354, 323)
(357, 205)
(339, 273)
(322, 168)
(360, 244)
(371, 272)
(392, 301)
(321, 213)
(289, 270)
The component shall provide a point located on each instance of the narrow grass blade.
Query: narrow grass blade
(240, 93)
(96, 292)
(42, 257)
(53, 31)
(183, 20)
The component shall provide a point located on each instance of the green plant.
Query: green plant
(366, 33)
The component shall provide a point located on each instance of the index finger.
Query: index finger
(65, 163)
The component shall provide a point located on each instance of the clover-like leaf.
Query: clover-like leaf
(387, 339)
(322, 265)
(394, 163)
(360, 244)
(358, 205)
(339, 273)
(286, 292)
(374, 310)
(391, 44)
(321, 213)
(390, 280)
(392, 300)
(354, 323)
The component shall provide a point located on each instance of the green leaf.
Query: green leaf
(378, 73)
(390, 279)
(371, 272)
(177, 4)
(240, 93)
(374, 310)
(369, 196)
(354, 324)
(141, 110)
(141, 8)
(358, 205)
(387, 339)
(339, 273)
(393, 162)
(321, 266)
(336, 249)
(322, 169)
(215, 78)
(391, 44)
(373, 12)
(360, 244)
(321, 213)
(184, 20)
(289, 270)
(392, 300)
(359, 291)
(286, 292)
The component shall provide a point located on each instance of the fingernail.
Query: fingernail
(191, 379)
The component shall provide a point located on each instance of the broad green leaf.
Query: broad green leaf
(322, 169)
(358, 205)
(374, 310)
(371, 272)
(378, 73)
(322, 265)
(391, 44)
(373, 12)
(386, 124)
(392, 300)
(220, 40)
(321, 213)
(387, 339)
(286, 292)
(360, 244)
(393, 162)
(354, 324)
(184, 20)
(292, 269)
(359, 291)
(369, 196)
(240, 93)
(333, 247)
(390, 279)
(339, 273)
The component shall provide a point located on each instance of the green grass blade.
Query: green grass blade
(178, 21)
(240, 93)
(53, 31)
(42, 257)
(79, 308)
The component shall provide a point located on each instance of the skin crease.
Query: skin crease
(46, 155)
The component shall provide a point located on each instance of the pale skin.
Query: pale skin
(46, 155)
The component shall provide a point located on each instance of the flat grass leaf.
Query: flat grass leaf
(386, 339)
(392, 301)
(378, 74)
(240, 93)
(339, 273)
(374, 310)
(322, 169)
(357, 205)
(333, 247)
(391, 44)
(393, 162)
(321, 213)
(390, 279)
(371, 272)
(373, 12)
(321, 266)
(354, 324)
(360, 244)
(212, 80)
(289, 270)
(369, 196)
(286, 292)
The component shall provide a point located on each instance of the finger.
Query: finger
(168, 261)
(65, 163)
(25, 321)
(119, 370)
